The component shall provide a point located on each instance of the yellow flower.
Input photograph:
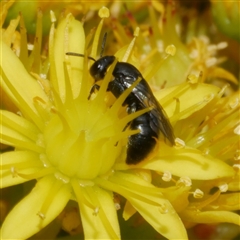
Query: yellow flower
(75, 147)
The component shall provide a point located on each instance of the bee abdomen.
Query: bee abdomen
(141, 145)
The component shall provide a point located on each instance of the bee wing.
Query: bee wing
(159, 118)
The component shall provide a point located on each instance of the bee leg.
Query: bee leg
(94, 87)
(130, 109)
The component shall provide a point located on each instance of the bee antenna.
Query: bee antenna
(103, 44)
(79, 55)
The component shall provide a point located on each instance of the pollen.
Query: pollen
(179, 143)
(234, 103)
(171, 50)
(167, 176)
(163, 209)
(184, 181)
(41, 215)
(14, 172)
(52, 16)
(96, 211)
(61, 177)
(198, 193)
(237, 155)
(192, 78)
(104, 12)
(222, 45)
(237, 130)
(223, 187)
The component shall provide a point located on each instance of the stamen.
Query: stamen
(61, 177)
(180, 89)
(117, 201)
(40, 140)
(21, 165)
(102, 214)
(131, 46)
(194, 54)
(208, 98)
(96, 211)
(49, 198)
(42, 108)
(78, 190)
(14, 172)
(53, 73)
(192, 78)
(223, 187)
(212, 48)
(44, 83)
(35, 55)
(234, 103)
(198, 193)
(205, 151)
(37, 174)
(52, 16)
(8, 33)
(86, 183)
(44, 160)
(236, 167)
(41, 215)
(223, 90)
(103, 13)
(171, 50)
(176, 110)
(209, 200)
(117, 206)
(23, 43)
(163, 209)
(65, 123)
(30, 47)
(237, 155)
(222, 45)
(179, 143)
(184, 181)
(167, 176)
(237, 130)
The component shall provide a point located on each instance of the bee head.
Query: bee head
(99, 68)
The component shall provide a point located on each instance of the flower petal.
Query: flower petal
(23, 220)
(16, 139)
(191, 96)
(98, 212)
(227, 201)
(149, 202)
(70, 37)
(218, 72)
(210, 216)
(185, 162)
(26, 161)
(19, 124)
(14, 83)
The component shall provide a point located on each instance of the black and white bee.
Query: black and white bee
(150, 124)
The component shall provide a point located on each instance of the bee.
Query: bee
(150, 124)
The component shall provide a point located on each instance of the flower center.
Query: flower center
(83, 150)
